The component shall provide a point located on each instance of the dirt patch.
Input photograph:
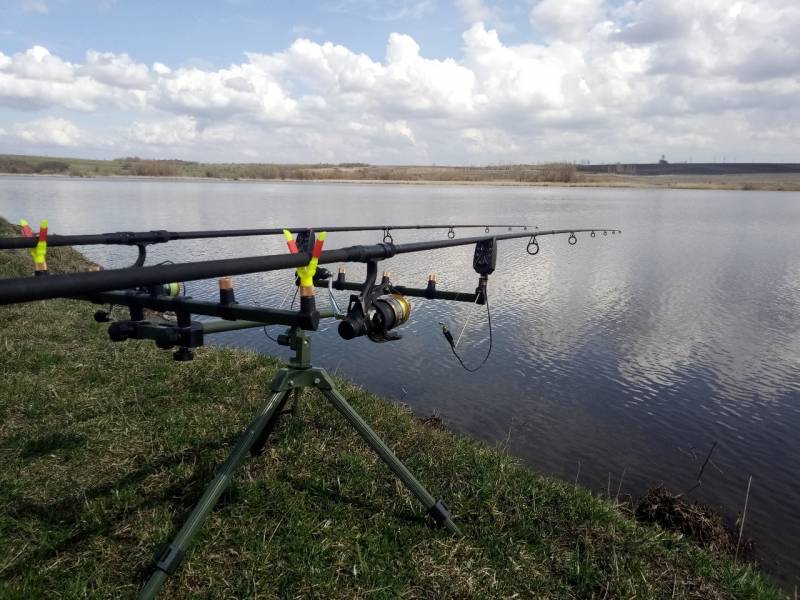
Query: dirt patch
(434, 422)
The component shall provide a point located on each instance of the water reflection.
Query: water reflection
(620, 353)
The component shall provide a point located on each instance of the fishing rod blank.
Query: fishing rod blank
(135, 238)
(27, 289)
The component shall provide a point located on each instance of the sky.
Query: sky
(402, 81)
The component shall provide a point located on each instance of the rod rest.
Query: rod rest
(307, 318)
(165, 335)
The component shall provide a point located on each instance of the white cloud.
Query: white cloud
(478, 11)
(161, 69)
(474, 11)
(175, 132)
(37, 63)
(567, 20)
(604, 81)
(49, 131)
(117, 70)
(37, 79)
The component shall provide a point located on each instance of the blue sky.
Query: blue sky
(217, 33)
(420, 81)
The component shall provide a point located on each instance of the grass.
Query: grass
(106, 447)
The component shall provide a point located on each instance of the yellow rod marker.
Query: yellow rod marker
(306, 273)
(39, 252)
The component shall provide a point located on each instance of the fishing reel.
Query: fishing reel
(374, 313)
(383, 314)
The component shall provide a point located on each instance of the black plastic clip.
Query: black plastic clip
(430, 290)
(451, 233)
(168, 559)
(142, 256)
(440, 513)
(387, 237)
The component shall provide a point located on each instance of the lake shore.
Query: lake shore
(777, 183)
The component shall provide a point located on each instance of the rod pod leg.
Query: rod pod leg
(172, 555)
(435, 508)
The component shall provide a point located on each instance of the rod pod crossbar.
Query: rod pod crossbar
(297, 375)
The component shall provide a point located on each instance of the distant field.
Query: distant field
(727, 176)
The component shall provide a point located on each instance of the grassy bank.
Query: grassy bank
(555, 174)
(106, 447)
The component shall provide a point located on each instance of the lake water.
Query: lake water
(626, 354)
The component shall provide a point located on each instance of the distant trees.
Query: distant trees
(51, 166)
(24, 167)
(559, 172)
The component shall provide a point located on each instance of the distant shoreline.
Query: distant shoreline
(702, 176)
(756, 182)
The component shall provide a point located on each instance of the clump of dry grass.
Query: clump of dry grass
(674, 513)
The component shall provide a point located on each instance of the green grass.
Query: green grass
(106, 447)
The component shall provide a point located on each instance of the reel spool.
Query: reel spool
(384, 314)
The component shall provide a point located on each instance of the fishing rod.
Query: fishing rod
(143, 239)
(374, 312)
(25, 289)
(135, 238)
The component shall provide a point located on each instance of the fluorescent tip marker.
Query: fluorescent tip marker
(38, 252)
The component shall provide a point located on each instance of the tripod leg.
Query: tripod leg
(434, 507)
(257, 447)
(170, 557)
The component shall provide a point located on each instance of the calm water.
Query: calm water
(620, 354)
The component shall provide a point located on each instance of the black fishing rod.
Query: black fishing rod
(27, 289)
(137, 238)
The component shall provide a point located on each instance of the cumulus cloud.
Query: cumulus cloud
(479, 11)
(38, 79)
(174, 132)
(567, 20)
(38, 64)
(601, 80)
(117, 70)
(49, 131)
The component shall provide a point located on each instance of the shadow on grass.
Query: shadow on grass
(52, 443)
(72, 509)
(315, 489)
(182, 495)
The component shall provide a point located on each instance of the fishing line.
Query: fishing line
(449, 337)
(285, 296)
